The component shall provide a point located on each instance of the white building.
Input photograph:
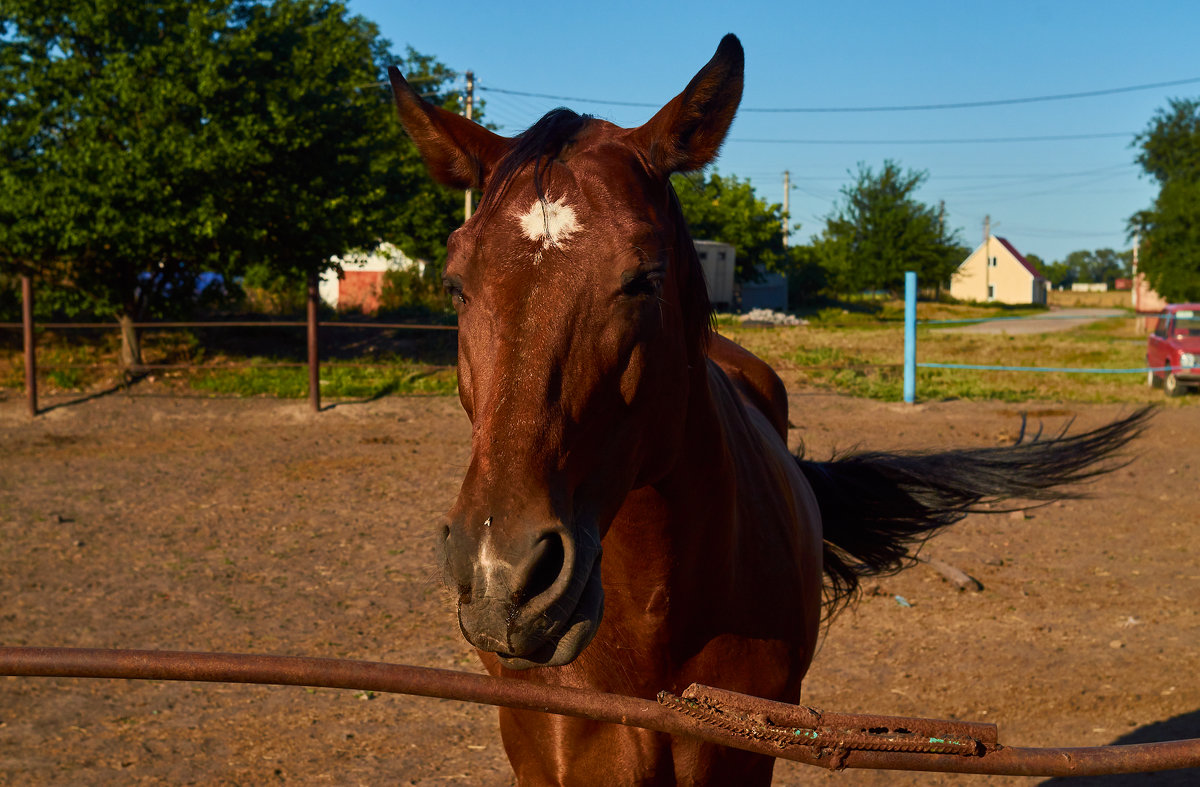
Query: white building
(361, 279)
(996, 271)
(718, 261)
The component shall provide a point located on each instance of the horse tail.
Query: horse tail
(878, 508)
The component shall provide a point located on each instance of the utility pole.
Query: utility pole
(1137, 279)
(937, 287)
(787, 218)
(470, 107)
(987, 257)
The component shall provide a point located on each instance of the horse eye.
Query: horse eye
(642, 284)
(453, 288)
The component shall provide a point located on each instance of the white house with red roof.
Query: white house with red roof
(996, 271)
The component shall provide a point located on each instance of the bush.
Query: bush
(411, 291)
(267, 292)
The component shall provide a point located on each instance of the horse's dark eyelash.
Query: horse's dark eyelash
(453, 288)
(645, 283)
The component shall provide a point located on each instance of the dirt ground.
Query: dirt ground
(254, 526)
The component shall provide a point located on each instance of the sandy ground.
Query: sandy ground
(254, 526)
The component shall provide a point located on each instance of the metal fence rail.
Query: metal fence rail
(745, 726)
(910, 343)
(313, 325)
(1063, 369)
(909, 363)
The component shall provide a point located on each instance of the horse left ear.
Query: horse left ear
(458, 152)
(687, 133)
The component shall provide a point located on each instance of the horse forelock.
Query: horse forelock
(538, 146)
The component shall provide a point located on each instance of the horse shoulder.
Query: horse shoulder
(755, 381)
(775, 531)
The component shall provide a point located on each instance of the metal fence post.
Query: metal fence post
(314, 371)
(910, 336)
(30, 345)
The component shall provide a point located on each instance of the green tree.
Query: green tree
(1059, 273)
(726, 209)
(880, 230)
(1101, 265)
(1038, 263)
(1170, 229)
(104, 191)
(144, 144)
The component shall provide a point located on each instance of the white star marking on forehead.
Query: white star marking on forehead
(552, 223)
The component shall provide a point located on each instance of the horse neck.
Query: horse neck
(699, 484)
(672, 535)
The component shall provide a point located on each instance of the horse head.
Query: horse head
(583, 319)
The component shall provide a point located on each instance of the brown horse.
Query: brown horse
(608, 418)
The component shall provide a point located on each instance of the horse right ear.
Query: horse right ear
(459, 153)
(687, 133)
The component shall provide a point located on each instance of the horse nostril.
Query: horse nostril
(547, 567)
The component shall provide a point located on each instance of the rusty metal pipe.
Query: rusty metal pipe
(1021, 761)
(612, 708)
(30, 344)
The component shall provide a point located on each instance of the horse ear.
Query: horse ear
(458, 152)
(687, 133)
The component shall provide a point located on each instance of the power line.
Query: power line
(987, 103)
(1001, 196)
(947, 141)
(447, 77)
(1089, 176)
(570, 98)
(1031, 176)
(1064, 233)
(886, 108)
(1034, 176)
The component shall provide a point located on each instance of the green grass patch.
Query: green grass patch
(337, 381)
(72, 362)
(862, 357)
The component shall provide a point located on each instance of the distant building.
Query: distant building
(996, 271)
(1089, 286)
(769, 292)
(1123, 284)
(718, 261)
(1146, 301)
(361, 280)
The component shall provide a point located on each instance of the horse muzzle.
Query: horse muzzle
(536, 604)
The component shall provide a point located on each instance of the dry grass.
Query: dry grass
(864, 359)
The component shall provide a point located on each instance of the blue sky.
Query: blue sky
(1048, 197)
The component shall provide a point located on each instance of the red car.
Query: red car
(1173, 349)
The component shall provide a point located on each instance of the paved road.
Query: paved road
(1054, 320)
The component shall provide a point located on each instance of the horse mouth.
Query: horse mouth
(553, 640)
